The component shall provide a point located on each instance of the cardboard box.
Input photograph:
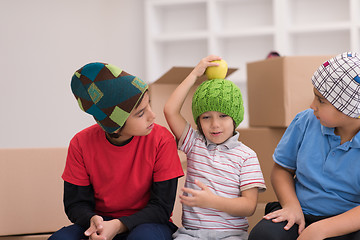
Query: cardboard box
(263, 141)
(161, 89)
(32, 191)
(279, 88)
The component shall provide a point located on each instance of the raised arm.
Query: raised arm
(174, 104)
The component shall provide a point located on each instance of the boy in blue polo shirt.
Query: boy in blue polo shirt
(316, 175)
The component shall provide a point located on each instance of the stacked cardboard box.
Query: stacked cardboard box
(279, 88)
(32, 189)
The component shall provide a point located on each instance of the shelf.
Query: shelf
(163, 3)
(184, 36)
(315, 28)
(181, 32)
(323, 43)
(264, 31)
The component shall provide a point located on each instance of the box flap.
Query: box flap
(178, 74)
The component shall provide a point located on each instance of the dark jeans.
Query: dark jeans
(268, 230)
(148, 231)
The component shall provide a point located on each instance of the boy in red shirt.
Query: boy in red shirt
(120, 177)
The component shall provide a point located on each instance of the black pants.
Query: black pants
(268, 230)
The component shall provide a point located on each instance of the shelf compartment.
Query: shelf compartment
(308, 12)
(323, 43)
(177, 53)
(174, 17)
(240, 50)
(243, 14)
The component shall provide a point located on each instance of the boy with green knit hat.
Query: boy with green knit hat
(223, 175)
(120, 178)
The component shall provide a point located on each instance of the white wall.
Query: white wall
(42, 43)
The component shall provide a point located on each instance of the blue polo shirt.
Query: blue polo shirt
(327, 178)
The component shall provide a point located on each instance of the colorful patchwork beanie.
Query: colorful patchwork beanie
(218, 95)
(107, 93)
(338, 80)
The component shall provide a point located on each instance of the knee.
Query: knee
(261, 231)
(266, 229)
(150, 231)
(72, 232)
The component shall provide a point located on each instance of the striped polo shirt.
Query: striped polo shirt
(227, 169)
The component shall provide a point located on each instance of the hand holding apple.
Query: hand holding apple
(217, 72)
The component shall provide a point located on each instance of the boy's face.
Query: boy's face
(141, 120)
(216, 126)
(326, 113)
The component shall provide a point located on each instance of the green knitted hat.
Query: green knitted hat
(218, 95)
(107, 93)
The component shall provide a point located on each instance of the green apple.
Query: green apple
(219, 71)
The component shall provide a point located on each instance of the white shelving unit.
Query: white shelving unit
(181, 32)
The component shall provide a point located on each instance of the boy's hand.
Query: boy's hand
(96, 226)
(104, 230)
(291, 215)
(198, 198)
(199, 70)
(312, 232)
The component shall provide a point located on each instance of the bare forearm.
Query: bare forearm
(174, 104)
(205, 198)
(177, 98)
(240, 206)
(339, 225)
(283, 183)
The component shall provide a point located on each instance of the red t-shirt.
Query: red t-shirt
(121, 175)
